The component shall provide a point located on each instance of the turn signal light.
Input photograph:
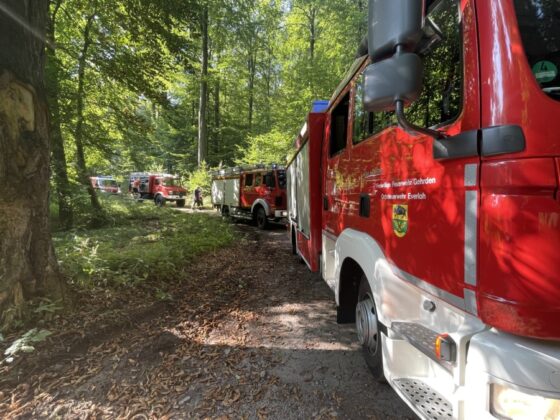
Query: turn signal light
(445, 348)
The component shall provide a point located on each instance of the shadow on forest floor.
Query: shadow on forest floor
(249, 333)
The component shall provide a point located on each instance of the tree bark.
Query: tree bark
(312, 33)
(28, 267)
(59, 163)
(79, 133)
(202, 123)
(268, 77)
(252, 70)
(217, 121)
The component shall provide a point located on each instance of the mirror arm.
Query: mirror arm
(407, 126)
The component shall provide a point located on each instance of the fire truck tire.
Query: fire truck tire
(180, 203)
(160, 200)
(260, 218)
(369, 330)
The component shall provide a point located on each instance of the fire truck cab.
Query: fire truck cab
(434, 216)
(255, 192)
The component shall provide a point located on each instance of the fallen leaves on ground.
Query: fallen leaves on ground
(207, 353)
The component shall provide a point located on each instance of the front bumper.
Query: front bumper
(498, 361)
(280, 214)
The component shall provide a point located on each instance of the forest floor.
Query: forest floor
(250, 334)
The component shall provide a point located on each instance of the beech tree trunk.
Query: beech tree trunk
(28, 266)
(216, 139)
(252, 65)
(202, 104)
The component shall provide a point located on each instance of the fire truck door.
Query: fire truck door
(248, 191)
(430, 204)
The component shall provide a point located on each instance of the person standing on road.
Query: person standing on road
(136, 186)
(197, 199)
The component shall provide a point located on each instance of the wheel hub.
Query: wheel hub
(366, 324)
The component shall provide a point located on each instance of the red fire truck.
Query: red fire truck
(106, 184)
(158, 187)
(255, 192)
(427, 194)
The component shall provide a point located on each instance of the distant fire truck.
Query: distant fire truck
(106, 184)
(255, 192)
(438, 226)
(158, 187)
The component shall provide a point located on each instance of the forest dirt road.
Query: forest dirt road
(251, 334)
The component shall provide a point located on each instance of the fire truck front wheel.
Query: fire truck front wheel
(369, 329)
(180, 203)
(260, 218)
(160, 200)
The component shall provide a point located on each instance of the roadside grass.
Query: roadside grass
(137, 258)
(139, 242)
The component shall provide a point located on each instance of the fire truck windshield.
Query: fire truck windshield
(170, 182)
(539, 24)
(108, 183)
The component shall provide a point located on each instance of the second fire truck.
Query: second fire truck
(254, 192)
(161, 188)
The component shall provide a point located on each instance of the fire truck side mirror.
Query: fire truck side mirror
(398, 78)
(393, 23)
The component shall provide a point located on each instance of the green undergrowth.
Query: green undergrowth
(140, 242)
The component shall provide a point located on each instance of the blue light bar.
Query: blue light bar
(319, 106)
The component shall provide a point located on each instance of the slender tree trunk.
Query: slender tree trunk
(312, 33)
(79, 133)
(268, 88)
(65, 212)
(202, 123)
(252, 71)
(217, 116)
(28, 266)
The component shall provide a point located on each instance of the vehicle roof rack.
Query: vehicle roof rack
(235, 170)
(141, 174)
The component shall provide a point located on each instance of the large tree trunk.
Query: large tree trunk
(79, 133)
(202, 123)
(63, 193)
(28, 267)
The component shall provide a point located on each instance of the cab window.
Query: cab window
(269, 180)
(339, 126)
(258, 180)
(442, 95)
(367, 124)
(282, 179)
(539, 24)
(249, 180)
(441, 98)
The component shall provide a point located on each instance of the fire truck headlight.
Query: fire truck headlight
(508, 403)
